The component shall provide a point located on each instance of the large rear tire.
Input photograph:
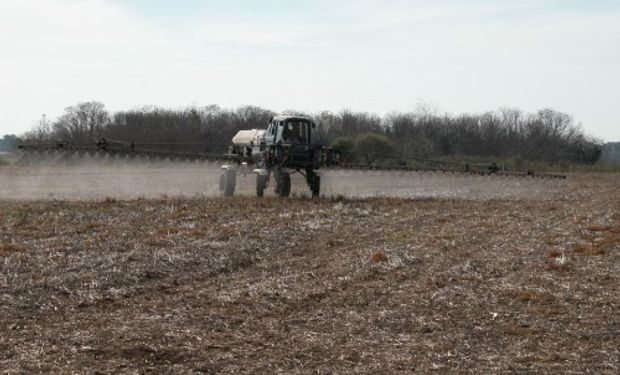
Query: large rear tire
(261, 184)
(283, 185)
(316, 186)
(228, 180)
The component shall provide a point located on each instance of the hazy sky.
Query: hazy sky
(368, 55)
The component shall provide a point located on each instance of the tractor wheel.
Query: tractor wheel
(261, 183)
(316, 186)
(283, 186)
(227, 183)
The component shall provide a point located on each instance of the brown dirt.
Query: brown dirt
(377, 285)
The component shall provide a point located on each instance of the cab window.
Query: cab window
(296, 131)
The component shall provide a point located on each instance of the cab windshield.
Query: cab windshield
(296, 131)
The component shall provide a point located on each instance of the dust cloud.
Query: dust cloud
(101, 178)
(407, 184)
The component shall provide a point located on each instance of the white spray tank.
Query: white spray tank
(248, 142)
(248, 137)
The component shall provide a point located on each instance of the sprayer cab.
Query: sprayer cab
(291, 139)
(290, 130)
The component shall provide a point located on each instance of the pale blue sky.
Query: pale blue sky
(366, 55)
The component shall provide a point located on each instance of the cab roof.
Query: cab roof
(292, 117)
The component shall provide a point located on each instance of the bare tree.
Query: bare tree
(41, 132)
(83, 122)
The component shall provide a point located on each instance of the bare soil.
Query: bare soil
(506, 282)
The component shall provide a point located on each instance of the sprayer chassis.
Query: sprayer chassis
(275, 164)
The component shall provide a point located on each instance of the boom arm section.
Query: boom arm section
(281, 155)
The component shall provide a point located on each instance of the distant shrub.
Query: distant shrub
(345, 146)
(370, 147)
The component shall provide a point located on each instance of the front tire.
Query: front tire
(283, 185)
(316, 186)
(228, 180)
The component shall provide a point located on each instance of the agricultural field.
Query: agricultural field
(145, 270)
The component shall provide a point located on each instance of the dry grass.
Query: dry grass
(605, 228)
(379, 257)
(249, 285)
(548, 311)
(168, 231)
(587, 249)
(11, 248)
(559, 267)
(533, 296)
(432, 348)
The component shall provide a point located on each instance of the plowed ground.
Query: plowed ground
(332, 285)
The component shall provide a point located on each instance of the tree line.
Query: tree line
(546, 135)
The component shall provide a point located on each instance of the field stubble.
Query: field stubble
(525, 284)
